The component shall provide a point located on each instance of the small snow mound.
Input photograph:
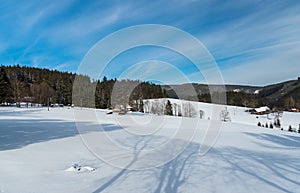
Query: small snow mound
(73, 168)
(78, 168)
(91, 169)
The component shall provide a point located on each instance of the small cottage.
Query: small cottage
(260, 110)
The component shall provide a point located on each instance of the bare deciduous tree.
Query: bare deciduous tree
(224, 115)
(201, 114)
(189, 110)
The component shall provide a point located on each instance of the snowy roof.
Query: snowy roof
(262, 109)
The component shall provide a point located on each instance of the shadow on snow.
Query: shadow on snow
(23, 132)
(170, 176)
(285, 140)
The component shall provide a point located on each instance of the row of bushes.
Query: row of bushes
(271, 126)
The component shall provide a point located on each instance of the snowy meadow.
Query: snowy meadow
(39, 149)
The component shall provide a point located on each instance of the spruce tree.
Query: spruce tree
(4, 85)
(290, 129)
(168, 108)
(141, 106)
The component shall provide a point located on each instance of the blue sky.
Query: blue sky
(253, 42)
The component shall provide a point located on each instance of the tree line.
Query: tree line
(43, 86)
(35, 85)
(287, 102)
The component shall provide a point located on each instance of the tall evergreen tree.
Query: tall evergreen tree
(141, 106)
(4, 86)
(168, 108)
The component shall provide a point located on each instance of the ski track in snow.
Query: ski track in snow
(37, 146)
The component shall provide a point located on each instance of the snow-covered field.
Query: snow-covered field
(38, 147)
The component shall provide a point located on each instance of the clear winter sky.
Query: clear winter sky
(254, 42)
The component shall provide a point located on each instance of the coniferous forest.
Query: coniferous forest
(43, 86)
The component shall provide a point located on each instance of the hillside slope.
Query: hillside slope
(275, 95)
(279, 93)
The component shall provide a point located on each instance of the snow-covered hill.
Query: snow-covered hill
(37, 146)
(236, 114)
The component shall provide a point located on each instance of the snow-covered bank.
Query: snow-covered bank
(37, 146)
(236, 114)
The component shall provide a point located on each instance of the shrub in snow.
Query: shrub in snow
(259, 124)
(271, 125)
(277, 123)
(290, 129)
(267, 126)
(224, 115)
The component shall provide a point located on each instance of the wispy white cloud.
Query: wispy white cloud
(265, 27)
(85, 25)
(282, 64)
(260, 42)
(240, 35)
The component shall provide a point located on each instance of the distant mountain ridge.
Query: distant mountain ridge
(281, 93)
(277, 94)
(204, 88)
